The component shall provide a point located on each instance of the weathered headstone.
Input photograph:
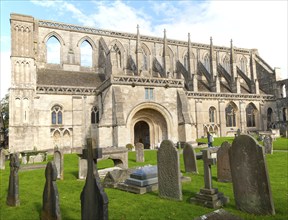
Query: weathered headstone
(139, 147)
(2, 159)
(251, 184)
(13, 188)
(59, 163)
(189, 157)
(223, 163)
(51, 207)
(169, 178)
(219, 214)
(94, 201)
(238, 132)
(268, 144)
(209, 196)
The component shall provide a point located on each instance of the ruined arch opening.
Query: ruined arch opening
(142, 134)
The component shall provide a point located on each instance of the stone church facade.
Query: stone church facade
(137, 88)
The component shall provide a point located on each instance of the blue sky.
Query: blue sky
(251, 24)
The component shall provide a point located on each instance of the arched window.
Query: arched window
(117, 56)
(145, 61)
(284, 91)
(86, 54)
(243, 65)
(94, 115)
(186, 60)
(25, 110)
(212, 114)
(230, 116)
(250, 115)
(207, 62)
(226, 64)
(269, 117)
(56, 115)
(284, 112)
(53, 50)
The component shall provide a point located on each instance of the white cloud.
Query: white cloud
(44, 3)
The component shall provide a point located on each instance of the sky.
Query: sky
(250, 24)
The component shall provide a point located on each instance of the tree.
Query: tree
(4, 114)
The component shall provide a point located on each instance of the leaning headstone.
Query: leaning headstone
(169, 178)
(94, 201)
(219, 214)
(139, 147)
(268, 144)
(251, 184)
(13, 189)
(2, 159)
(51, 207)
(223, 163)
(189, 156)
(209, 196)
(59, 163)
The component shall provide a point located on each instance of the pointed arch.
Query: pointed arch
(243, 64)
(226, 63)
(56, 35)
(86, 54)
(119, 52)
(206, 61)
(251, 115)
(230, 114)
(146, 57)
(89, 40)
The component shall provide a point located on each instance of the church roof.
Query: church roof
(68, 78)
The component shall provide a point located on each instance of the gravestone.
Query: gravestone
(209, 196)
(189, 156)
(51, 207)
(268, 144)
(238, 132)
(94, 201)
(223, 163)
(59, 163)
(251, 184)
(13, 188)
(2, 159)
(219, 214)
(139, 147)
(169, 178)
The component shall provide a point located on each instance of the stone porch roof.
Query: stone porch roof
(68, 78)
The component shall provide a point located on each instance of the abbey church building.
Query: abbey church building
(135, 88)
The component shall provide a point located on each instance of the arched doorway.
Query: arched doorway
(142, 134)
(149, 127)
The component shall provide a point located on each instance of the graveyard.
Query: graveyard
(126, 205)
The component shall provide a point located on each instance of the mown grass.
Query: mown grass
(124, 205)
(279, 144)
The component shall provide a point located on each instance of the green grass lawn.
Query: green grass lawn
(279, 144)
(124, 205)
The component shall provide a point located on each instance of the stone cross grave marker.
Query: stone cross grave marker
(139, 147)
(59, 163)
(223, 163)
(169, 178)
(13, 188)
(189, 156)
(268, 144)
(209, 196)
(51, 207)
(94, 201)
(251, 184)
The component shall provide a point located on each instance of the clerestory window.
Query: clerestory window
(94, 115)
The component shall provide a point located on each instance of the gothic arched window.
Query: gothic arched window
(56, 115)
(250, 115)
(186, 60)
(230, 113)
(212, 114)
(207, 62)
(53, 50)
(243, 65)
(226, 64)
(117, 56)
(284, 91)
(86, 54)
(94, 115)
(269, 117)
(145, 61)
